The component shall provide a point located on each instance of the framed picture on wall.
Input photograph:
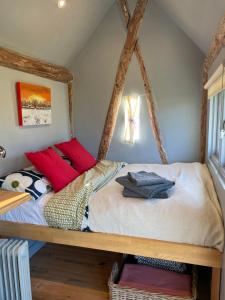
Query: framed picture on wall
(34, 104)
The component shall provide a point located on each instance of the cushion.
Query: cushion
(82, 160)
(66, 159)
(26, 180)
(156, 280)
(162, 264)
(49, 163)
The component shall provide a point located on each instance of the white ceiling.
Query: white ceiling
(40, 29)
(198, 18)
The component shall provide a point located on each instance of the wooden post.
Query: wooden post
(147, 86)
(215, 48)
(215, 284)
(125, 59)
(203, 115)
(70, 96)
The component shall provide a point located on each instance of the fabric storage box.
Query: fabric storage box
(153, 284)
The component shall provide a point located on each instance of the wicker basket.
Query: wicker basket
(126, 293)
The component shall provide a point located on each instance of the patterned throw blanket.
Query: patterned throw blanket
(66, 208)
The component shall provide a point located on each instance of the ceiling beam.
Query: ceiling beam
(20, 62)
(147, 86)
(122, 68)
(216, 45)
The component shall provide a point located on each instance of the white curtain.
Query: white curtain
(131, 119)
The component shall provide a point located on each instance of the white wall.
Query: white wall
(173, 63)
(17, 140)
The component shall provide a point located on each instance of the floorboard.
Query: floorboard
(63, 273)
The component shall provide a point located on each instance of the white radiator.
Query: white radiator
(14, 270)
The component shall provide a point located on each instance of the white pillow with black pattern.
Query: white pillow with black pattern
(26, 180)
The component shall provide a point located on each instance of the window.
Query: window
(132, 108)
(216, 136)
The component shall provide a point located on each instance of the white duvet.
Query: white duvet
(190, 215)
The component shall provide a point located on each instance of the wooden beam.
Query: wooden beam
(203, 117)
(215, 284)
(20, 62)
(70, 103)
(115, 243)
(147, 85)
(125, 59)
(10, 200)
(214, 50)
(217, 44)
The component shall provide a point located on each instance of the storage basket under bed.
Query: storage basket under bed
(118, 292)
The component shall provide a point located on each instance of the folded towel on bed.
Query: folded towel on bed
(131, 194)
(145, 191)
(145, 178)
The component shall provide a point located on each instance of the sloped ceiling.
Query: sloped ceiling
(197, 18)
(40, 29)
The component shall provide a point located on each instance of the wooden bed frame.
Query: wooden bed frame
(186, 253)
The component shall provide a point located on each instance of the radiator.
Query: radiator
(15, 281)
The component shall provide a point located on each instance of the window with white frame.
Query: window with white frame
(216, 132)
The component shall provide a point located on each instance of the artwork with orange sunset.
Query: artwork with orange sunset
(34, 104)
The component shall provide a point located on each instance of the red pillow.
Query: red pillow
(82, 160)
(51, 165)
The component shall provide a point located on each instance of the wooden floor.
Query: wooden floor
(63, 273)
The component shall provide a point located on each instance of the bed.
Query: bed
(186, 227)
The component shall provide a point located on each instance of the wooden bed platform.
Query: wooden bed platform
(186, 253)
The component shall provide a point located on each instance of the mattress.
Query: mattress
(31, 212)
(191, 214)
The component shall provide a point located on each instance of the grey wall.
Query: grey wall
(17, 140)
(174, 65)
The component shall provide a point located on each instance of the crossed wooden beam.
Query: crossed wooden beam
(131, 46)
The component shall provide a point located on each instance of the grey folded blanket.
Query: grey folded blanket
(131, 194)
(144, 178)
(157, 188)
